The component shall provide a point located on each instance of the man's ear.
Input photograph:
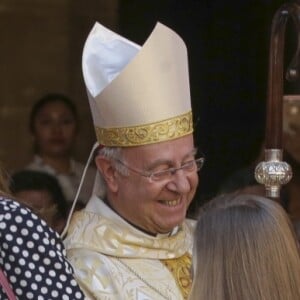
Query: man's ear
(108, 172)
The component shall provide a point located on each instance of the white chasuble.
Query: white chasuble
(114, 260)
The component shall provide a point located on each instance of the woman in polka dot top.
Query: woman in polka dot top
(32, 256)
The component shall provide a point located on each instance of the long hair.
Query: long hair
(245, 248)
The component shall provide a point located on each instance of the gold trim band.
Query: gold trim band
(146, 134)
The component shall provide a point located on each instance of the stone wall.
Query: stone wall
(40, 52)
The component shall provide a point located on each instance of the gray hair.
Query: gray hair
(114, 154)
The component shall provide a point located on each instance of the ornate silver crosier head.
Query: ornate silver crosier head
(273, 172)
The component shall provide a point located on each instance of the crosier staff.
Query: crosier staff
(273, 172)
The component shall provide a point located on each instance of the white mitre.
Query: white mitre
(138, 95)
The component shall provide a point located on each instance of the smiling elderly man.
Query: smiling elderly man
(136, 243)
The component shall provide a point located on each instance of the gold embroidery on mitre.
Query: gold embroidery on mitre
(181, 270)
(146, 134)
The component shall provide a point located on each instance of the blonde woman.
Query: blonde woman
(32, 256)
(245, 248)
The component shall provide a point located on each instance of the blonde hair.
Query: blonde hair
(245, 248)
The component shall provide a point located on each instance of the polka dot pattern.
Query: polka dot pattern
(32, 256)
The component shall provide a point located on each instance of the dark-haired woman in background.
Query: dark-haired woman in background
(43, 194)
(54, 126)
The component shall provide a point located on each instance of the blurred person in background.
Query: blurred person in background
(54, 126)
(291, 145)
(42, 193)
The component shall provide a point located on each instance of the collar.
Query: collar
(98, 206)
(98, 228)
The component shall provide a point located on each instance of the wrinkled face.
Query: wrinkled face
(54, 129)
(291, 121)
(155, 206)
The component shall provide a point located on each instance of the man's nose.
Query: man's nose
(180, 182)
